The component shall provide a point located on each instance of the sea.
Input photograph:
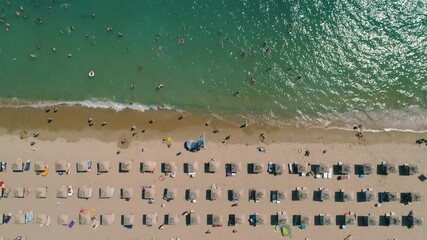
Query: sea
(302, 63)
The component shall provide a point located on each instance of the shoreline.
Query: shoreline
(70, 122)
(330, 121)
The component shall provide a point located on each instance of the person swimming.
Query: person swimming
(160, 86)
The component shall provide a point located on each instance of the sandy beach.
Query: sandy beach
(69, 138)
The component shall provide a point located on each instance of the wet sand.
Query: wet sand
(70, 138)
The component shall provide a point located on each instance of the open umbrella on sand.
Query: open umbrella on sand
(150, 219)
(192, 195)
(103, 167)
(214, 192)
(106, 192)
(85, 192)
(126, 193)
(148, 167)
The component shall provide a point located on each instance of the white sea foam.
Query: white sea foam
(92, 103)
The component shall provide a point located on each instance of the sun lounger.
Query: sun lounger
(3, 166)
(95, 224)
(71, 224)
(27, 165)
(7, 218)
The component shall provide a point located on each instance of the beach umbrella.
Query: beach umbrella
(192, 219)
(213, 166)
(192, 195)
(85, 192)
(18, 166)
(107, 219)
(172, 219)
(104, 166)
(41, 219)
(39, 166)
(149, 167)
(41, 192)
(63, 219)
(150, 219)
(149, 192)
(127, 193)
(324, 194)
(84, 218)
(106, 192)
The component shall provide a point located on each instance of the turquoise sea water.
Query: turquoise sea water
(315, 63)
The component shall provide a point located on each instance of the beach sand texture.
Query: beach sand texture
(69, 138)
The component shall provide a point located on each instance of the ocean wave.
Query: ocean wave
(91, 103)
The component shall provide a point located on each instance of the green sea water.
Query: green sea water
(315, 63)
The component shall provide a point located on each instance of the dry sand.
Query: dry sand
(69, 138)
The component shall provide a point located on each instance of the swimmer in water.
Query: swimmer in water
(253, 81)
(160, 86)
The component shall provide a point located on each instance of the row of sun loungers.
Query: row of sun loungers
(231, 169)
(191, 218)
(214, 192)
